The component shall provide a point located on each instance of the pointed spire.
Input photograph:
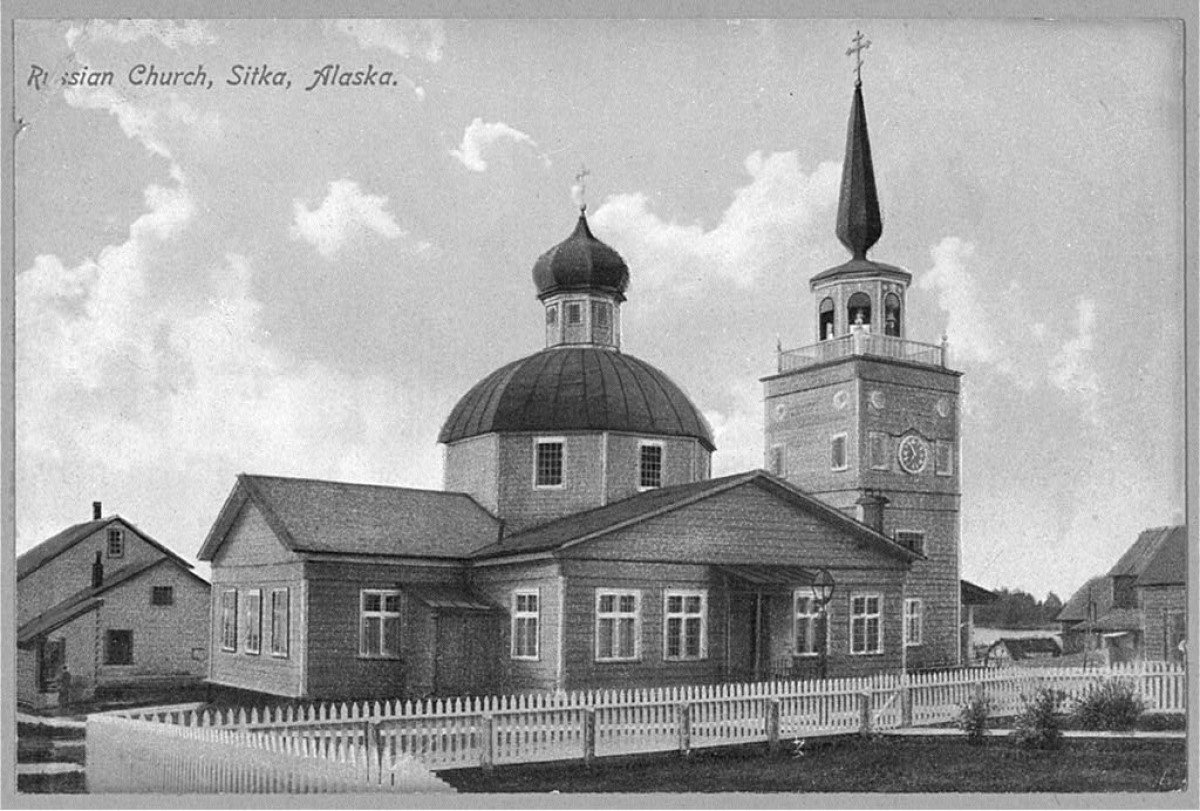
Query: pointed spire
(859, 222)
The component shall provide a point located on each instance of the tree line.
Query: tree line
(1018, 609)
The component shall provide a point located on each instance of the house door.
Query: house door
(465, 657)
(749, 645)
(52, 655)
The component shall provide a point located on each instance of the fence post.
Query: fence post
(487, 738)
(906, 703)
(864, 713)
(685, 729)
(773, 725)
(589, 735)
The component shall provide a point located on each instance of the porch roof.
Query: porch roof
(448, 597)
(759, 575)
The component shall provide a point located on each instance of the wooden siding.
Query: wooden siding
(522, 505)
(472, 466)
(1157, 603)
(498, 583)
(681, 462)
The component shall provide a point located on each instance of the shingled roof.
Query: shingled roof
(1139, 555)
(55, 545)
(315, 516)
(1168, 566)
(1098, 590)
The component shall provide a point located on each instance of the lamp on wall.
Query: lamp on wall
(822, 590)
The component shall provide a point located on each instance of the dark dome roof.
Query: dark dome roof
(582, 388)
(580, 262)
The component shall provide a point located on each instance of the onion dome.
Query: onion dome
(585, 388)
(581, 263)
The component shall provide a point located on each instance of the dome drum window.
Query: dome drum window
(548, 463)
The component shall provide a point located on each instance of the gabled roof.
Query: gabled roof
(1120, 619)
(1097, 590)
(1168, 566)
(1138, 556)
(594, 523)
(971, 594)
(54, 546)
(315, 516)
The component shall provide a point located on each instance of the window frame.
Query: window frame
(574, 306)
(844, 439)
(684, 615)
(156, 591)
(383, 614)
(812, 618)
(252, 644)
(940, 446)
(644, 444)
(229, 620)
(109, 636)
(918, 534)
(538, 442)
(865, 617)
(778, 460)
(276, 649)
(884, 460)
(115, 534)
(616, 617)
(910, 639)
(518, 615)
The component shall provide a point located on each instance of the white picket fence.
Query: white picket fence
(486, 731)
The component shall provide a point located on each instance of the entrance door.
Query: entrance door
(52, 655)
(465, 654)
(749, 635)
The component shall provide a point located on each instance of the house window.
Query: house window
(549, 464)
(809, 632)
(686, 625)
(779, 460)
(525, 614)
(379, 626)
(254, 621)
(118, 648)
(866, 623)
(943, 453)
(650, 465)
(837, 456)
(825, 328)
(879, 451)
(914, 613)
(618, 621)
(891, 315)
(229, 636)
(574, 313)
(116, 543)
(162, 595)
(279, 622)
(858, 310)
(601, 314)
(911, 539)
(51, 656)
(552, 315)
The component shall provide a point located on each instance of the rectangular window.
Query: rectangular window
(116, 543)
(810, 633)
(650, 465)
(600, 313)
(552, 315)
(914, 611)
(51, 657)
(574, 313)
(379, 626)
(866, 623)
(618, 625)
(549, 464)
(943, 453)
(254, 621)
(685, 634)
(525, 613)
(118, 648)
(280, 606)
(837, 457)
(911, 539)
(779, 460)
(162, 595)
(880, 458)
(229, 635)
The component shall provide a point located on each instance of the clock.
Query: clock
(912, 453)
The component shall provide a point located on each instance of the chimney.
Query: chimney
(97, 572)
(96, 510)
(870, 510)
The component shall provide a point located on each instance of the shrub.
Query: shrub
(973, 718)
(1039, 725)
(1111, 705)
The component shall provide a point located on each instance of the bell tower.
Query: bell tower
(867, 419)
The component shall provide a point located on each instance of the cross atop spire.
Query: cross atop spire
(856, 49)
(578, 190)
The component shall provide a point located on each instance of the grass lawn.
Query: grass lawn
(883, 765)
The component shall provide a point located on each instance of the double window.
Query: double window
(650, 465)
(866, 623)
(914, 611)
(810, 633)
(685, 631)
(618, 625)
(548, 464)
(379, 623)
(229, 624)
(526, 610)
(279, 622)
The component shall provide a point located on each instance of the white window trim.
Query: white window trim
(806, 593)
(919, 614)
(662, 463)
(900, 531)
(119, 534)
(383, 615)
(845, 451)
(287, 624)
(637, 624)
(537, 619)
(885, 457)
(584, 313)
(251, 621)
(685, 593)
(224, 645)
(879, 637)
(540, 440)
(937, 458)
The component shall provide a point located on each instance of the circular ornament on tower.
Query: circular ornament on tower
(943, 406)
(840, 399)
(877, 400)
(912, 453)
(780, 412)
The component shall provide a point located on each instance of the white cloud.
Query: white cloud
(737, 431)
(426, 38)
(767, 224)
(169, 32)
(968, 326)
(344, 212)
(479, 135)
(1071, 369)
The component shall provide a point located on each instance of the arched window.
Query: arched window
(858, 309)
(825, 320)
(891, 315)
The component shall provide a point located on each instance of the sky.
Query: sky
(302, 280)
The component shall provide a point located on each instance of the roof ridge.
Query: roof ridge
(310, 480)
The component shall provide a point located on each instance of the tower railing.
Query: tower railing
(861, 342)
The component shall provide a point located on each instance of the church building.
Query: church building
(580, 541)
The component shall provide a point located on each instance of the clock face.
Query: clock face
(913, 454)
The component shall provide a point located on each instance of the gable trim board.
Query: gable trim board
(54, 546)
